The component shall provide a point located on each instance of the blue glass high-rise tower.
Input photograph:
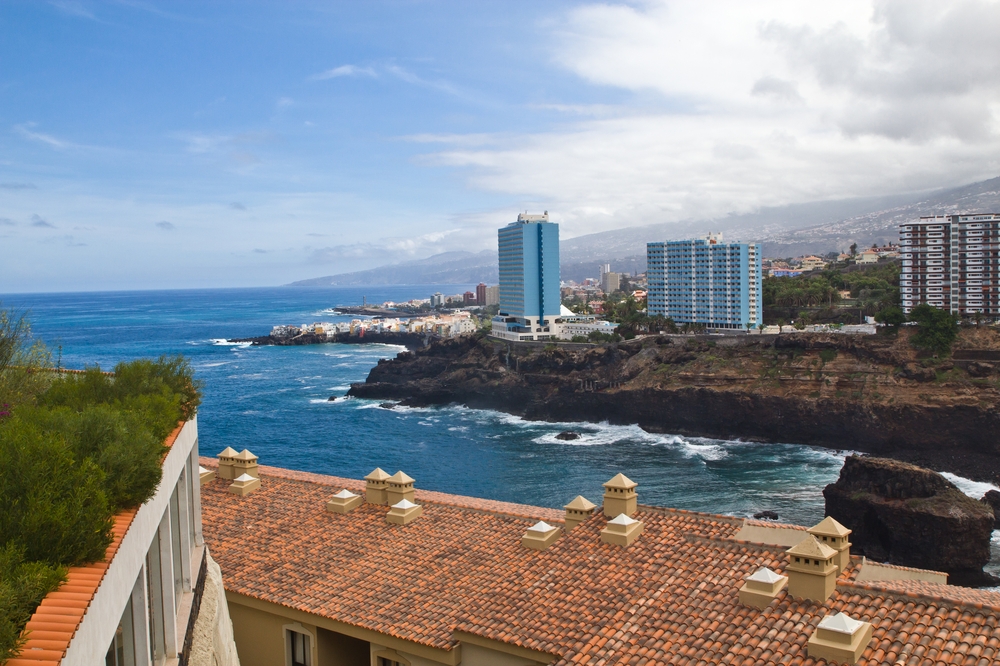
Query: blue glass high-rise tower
(529, 279)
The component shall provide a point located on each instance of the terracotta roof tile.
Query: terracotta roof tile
(672, 596)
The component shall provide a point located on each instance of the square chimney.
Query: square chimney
(831, 533)
(400, 487)
(540, 536)
(244, 485)
(403, 512)
(226, 459)
(621, 530)
(620, 496)
(812, 570)
(245, 462)
(375, 485)
(839, 638)
(343, 502)
(578, 510)
(761, 587)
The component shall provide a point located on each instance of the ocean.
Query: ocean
(275, 402)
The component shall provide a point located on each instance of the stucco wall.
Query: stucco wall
(340, 650)
(475, 655)
(259, 636)
(213, 642)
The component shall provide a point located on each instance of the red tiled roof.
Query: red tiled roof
(55, 621)
(672, 596)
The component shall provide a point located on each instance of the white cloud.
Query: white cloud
(24, 130)
(757, 104)
(343, 70)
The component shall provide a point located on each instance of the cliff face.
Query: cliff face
(865, 393)
(903, 514)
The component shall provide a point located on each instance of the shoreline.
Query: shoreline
(861, 399)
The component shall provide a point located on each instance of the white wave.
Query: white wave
(425, 423)
(324, 401)
(345, 387)
(222, 342)
(974, 489)
(704, 451)
(213, 365)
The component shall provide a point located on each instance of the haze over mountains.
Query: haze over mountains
(811, 228)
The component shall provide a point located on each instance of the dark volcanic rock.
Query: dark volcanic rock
(766, 515)
(659, 385)
(568, 435)
(388, 405)
(907, 515)
(992, 497)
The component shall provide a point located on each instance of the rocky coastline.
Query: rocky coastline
(871, 394)
(411, 341)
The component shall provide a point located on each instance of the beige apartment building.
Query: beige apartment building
(324, 571)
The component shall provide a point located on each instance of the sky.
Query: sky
(148, 145)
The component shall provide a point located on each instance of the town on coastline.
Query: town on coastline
(698, 285)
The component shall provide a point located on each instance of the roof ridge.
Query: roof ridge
(906, 595)
(464, 502)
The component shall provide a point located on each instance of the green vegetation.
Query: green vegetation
(872, 288)
(83, 446)
(936, 329)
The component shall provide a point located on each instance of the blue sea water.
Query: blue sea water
(274, 401)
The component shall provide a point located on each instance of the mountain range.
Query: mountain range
(786, 231)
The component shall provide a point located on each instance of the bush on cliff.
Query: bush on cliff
(74, 449)
(936, 329)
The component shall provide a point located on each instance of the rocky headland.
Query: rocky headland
(872, 394)
(409, 340)
(907, 515)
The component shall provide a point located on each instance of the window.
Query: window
(299, 649)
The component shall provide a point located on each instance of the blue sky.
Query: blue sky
(157, 145)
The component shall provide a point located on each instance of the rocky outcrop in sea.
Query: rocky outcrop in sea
(907, 515)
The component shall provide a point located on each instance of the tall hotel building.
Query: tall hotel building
(951, 262)
(529, 279)
(705, 281)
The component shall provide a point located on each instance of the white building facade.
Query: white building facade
(951, 262)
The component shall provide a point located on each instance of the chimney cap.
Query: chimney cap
(580, 503)
(829, 527)
(201, 469)
(620, 481)
(243, 478)
(377, 474)
(810, 547)
(400, 477)
(622, 519)
(245, 455)
(541, 526)
(345, 494)
(403, 504)
(227, 452)
(764, 575)
(842, 623)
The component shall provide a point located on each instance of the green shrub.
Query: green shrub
(827, 355)
(936, 329)
(22, 586)
(74, 449)
(54, 507)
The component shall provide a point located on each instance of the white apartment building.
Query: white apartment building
(951, 262)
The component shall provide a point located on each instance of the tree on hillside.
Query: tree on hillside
(936, 329)
(891, 316)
